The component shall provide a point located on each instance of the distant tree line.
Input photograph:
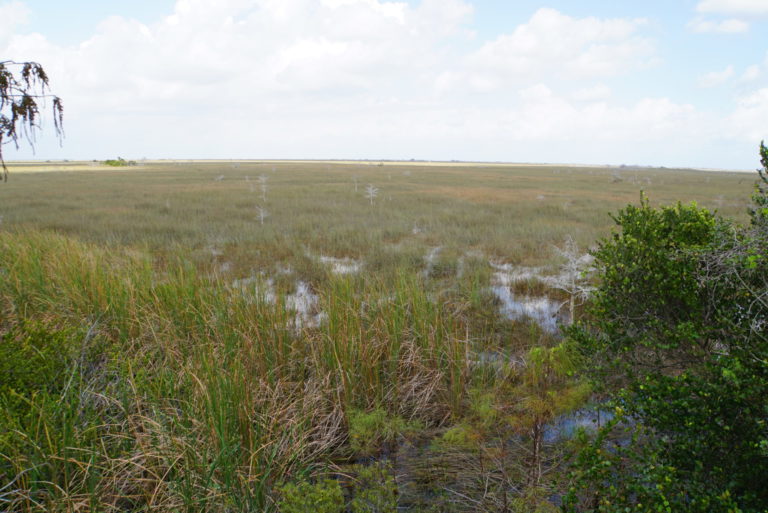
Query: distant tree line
(119, 162)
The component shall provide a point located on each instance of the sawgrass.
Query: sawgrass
(166, 386)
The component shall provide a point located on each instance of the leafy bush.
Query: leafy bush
(373, 489)
(460, 436)
(677, 338)
(370, 431)
(119, 162)
(33, 359)
(369, 489)
(304, 497)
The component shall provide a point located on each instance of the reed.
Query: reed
(211, 396)
(158, 362)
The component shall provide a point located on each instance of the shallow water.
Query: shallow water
(429, 260)
(304, 303)
(256, 288)
(565, 426)
(542, 310)
(342, 265)
(546, 312)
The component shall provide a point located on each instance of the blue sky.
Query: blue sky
(674, 83)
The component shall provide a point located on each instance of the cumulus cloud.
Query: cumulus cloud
(748, 120)
(729, 26)
(546, 116)
(716, 78)
(352, 78)
(554, 44)
(12, 15)
(745, 7)
(595, 92)
(751, 73)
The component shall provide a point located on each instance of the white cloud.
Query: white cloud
(716, 78)
(546, 116)
(593, 93)
(748, 120)
(553, 45)
(755, 71)
(733, 6)
(550, 39)
(357, 78)
(729, 26)
(751, 73)
(12, 15)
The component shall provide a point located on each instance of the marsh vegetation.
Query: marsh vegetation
(178, 336)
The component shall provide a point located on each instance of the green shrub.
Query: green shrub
(374, 489)
(33, 359)
(460, 436)
(370, 431)
(119, 162)
(369, 489)
(303, 497)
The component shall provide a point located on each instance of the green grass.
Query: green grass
(167, 388)
(510, 213)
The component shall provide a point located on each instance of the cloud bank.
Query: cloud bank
(369, 79)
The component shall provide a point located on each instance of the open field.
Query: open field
(513, 214)
(194, 336)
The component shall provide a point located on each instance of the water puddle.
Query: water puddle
(565, 426)
(304, 303)
(342, 265)
(546, 312)
(496, 360)
(256, 289)
(513, 274)
(430, 259)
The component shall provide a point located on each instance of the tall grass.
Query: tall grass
(187, 394)
(142, 379)
(313, 207)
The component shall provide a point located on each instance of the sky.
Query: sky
(658, 82)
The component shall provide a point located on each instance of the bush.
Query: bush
(34, 359)
(676, 336)
(369, 489)
(119, 162)
(370, 432)
(304, 497)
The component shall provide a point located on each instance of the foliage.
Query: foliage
(680, 317)
(759, 210)
(22, 86)
(371, 432)
(373, 489)
(362, 489)
(648, 311)
(548, 388)
(324, 496)
(119, 162)
(34, 365)
(33, 358)
(460, 436)
(501, 456)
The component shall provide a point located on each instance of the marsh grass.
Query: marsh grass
(173, 389)
(198, 397)
(313, 206)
